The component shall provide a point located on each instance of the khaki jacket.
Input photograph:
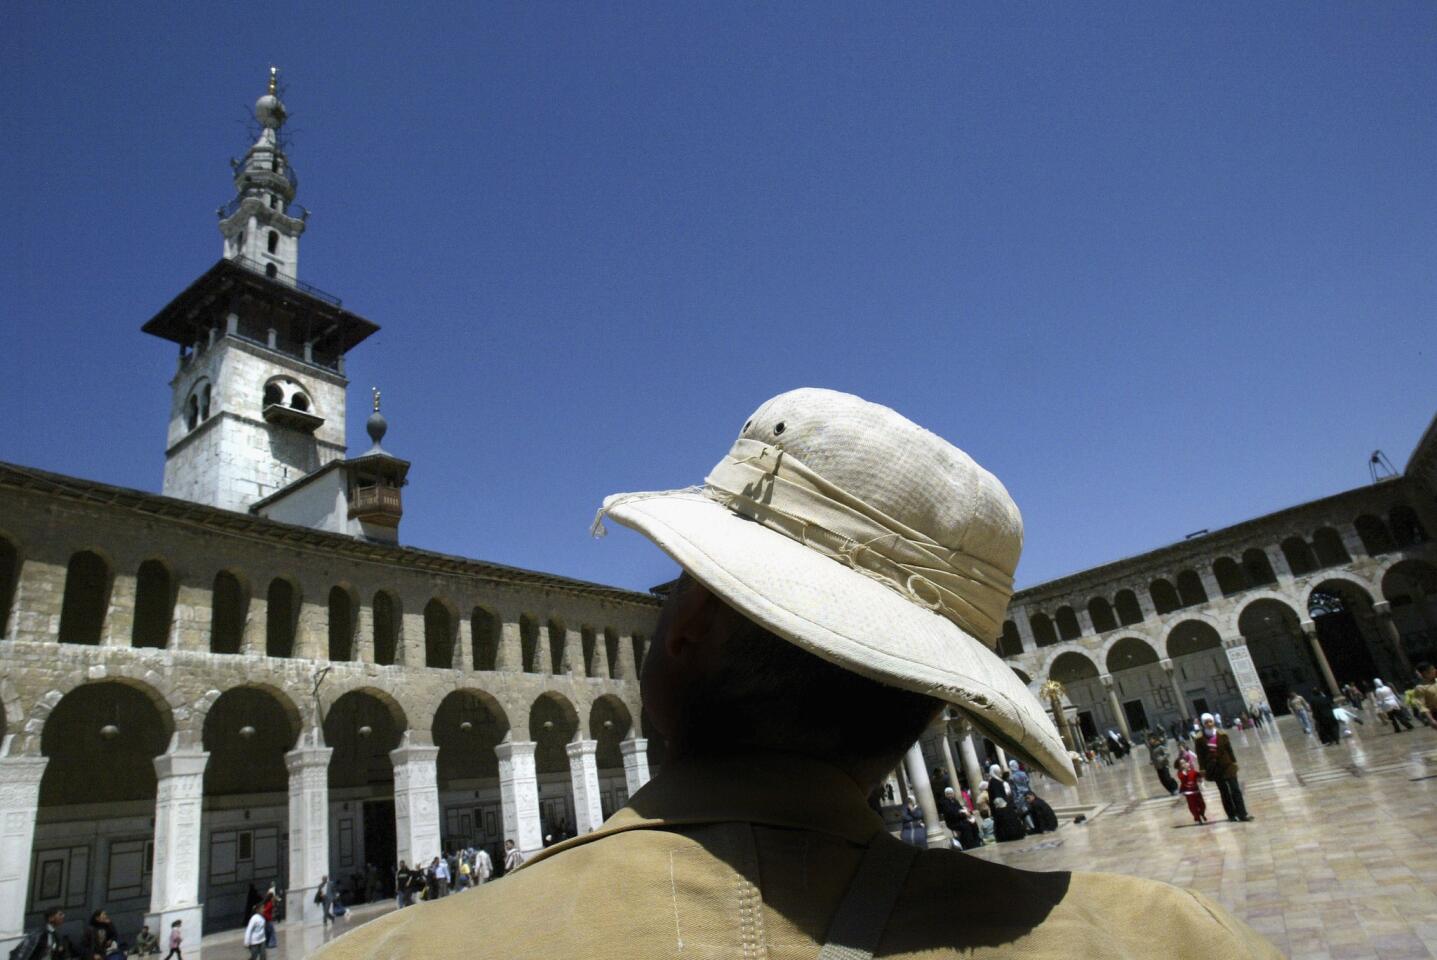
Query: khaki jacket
(747, 858)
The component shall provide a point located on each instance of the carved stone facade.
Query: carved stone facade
(436, 676)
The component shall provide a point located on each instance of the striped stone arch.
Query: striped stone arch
(1230, 619)
(405, 724)
(14, 712)
(1391, 560)
(1045, 663)
(1373, 591)
(300, 716)
(174, 710)
(423, 713)
(1139, 631)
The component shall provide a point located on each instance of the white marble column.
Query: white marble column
(519, 795)
(416, 803)
(1182, 700)
(918, 778)
(308, 828)
(19, 802)
(636, 763)
(972, 769)
(947, 749)
(1111, 685)
(1309, 630)
(584, 777)
(175, 884)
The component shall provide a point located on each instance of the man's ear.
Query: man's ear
(690, 628)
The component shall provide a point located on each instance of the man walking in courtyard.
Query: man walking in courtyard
(1218, 764)
(846, 575)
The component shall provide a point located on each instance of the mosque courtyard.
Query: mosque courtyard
(1340, 862)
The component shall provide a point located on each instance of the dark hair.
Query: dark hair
(1423, 667)
(767, 685)
(51, 911)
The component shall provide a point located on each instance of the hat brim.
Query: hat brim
(845, 617)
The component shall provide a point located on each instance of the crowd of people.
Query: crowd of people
(100, 940)
(1004, 809)
(1333, 718)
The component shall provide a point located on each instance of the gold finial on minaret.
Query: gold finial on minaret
(273, 79)
(375, 391)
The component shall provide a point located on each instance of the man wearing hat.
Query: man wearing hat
(845, 578)
(1219, 765)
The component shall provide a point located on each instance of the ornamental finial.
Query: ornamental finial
(273, 79)
(375, 391)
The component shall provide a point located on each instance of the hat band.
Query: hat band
(774, 488)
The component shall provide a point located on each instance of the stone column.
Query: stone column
(1111, 686)
(308, 767)
(601, 657)
(519, 795)
(1210, 585)
(918, 778)
(947, 750)
(120, 617)
(464, 646)
(311, 631)
(636, 763)
(255, 625)
(1309, 630)
(972, 769)
(1025, 630)
(175, 883)
(193, 619)
(1085, 622)
(364, 634)
(1383, 610)
(1170, 669)
(1278, 561)
(511, 648)
(416, 803)
(19, 802)
(1145, 602)
(1244, 672)
(584, 778)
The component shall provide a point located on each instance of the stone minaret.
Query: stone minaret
(258, 399)
(256, 225)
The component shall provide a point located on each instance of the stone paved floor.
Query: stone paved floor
(1341, 863)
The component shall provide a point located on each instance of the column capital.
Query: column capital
(581, 748)
(634, 745)
(181, 763)
(1166, 664)
(1107, 679)
(1308, 627)
(1234, 642)
(302, 758)
(515, 749)
(1383, 608)
(22, 771)
(413, 753)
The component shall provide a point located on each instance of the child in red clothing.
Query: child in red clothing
(1190, 783)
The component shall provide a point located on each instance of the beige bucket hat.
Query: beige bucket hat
(866, 540)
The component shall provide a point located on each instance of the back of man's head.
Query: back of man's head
(762, 692)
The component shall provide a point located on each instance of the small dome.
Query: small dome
(376, 426)
(269, 111)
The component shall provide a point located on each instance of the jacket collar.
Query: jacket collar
(778, 790)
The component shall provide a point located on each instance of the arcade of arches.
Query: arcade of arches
(1347, 604)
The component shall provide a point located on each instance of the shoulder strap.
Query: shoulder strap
(856, 928)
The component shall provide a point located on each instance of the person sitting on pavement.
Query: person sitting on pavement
(1044, 819)
(846, 575)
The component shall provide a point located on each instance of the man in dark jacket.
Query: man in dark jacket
(44, 942)
(1219, 766)
(1044, 819)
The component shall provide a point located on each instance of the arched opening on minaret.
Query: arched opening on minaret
(273, 242)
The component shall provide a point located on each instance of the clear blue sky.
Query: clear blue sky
(1160, 267)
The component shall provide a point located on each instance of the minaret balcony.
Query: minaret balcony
(380, 505)
(286, 416)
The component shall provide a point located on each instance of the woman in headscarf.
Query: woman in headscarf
(1007, 824)
(1388, 703)
(1328, 733)
(914, 831)
(1018, 778)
